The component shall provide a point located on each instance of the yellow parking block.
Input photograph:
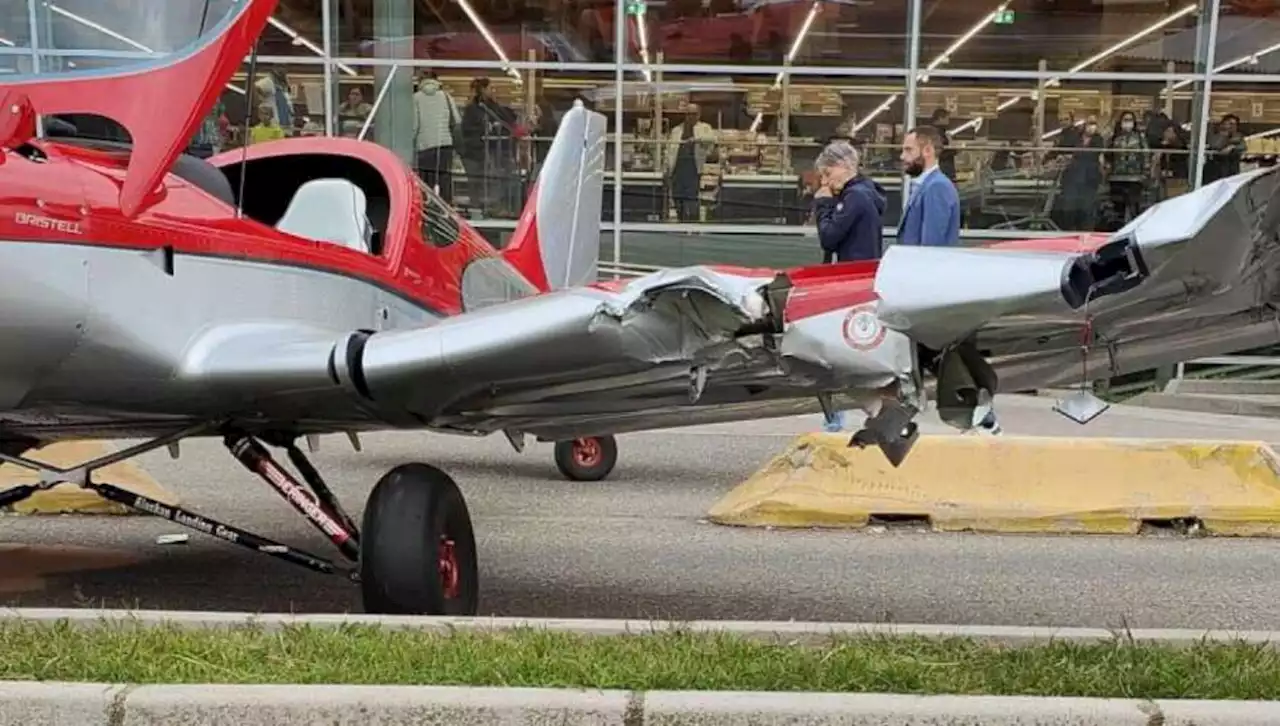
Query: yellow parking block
(71, 499)
(1015, 484)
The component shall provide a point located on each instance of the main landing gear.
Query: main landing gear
(590, 458)
(414, 554)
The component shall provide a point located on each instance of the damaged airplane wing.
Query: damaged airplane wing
(1194, 275)
(639, 354)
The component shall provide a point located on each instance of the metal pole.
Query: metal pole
(326, 24)
(619, 57)
(913, 68)
(1202, 128)
(377, 102)
(35, 56)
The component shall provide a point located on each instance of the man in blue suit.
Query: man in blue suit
(932, 216)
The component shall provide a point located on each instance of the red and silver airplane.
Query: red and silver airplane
(311, 286)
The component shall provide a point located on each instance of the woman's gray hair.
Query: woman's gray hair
(837, 153)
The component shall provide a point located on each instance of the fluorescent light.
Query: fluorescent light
(1264, 134)
(111, 33)
(943, 57)
(100, 28)
(1114, 48)
(299, 40)
(799, 41)
(977, 28)
(642, 29)
(1248, 58)
(10, 43)
(1057, 80)
(879, 110)
(488, 36)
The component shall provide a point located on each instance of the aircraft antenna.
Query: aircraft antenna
(248, 114)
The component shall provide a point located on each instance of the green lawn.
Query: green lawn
(670, 661)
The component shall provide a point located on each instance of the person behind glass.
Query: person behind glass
(1174, 163)
(849, 213)
(267, 128)
(932, 216)
(687, 147)
(1130, 166)
(486, 124)
(434, 118)
(1082, 177)
(941, 120)
(1224, 150)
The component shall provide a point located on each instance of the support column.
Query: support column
(913, 68)
(34, 21)
(330, 46)
(1207, 43)
(393, 27)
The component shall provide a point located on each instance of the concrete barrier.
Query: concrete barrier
(1015, 484)
(71, 499)
(90, 704)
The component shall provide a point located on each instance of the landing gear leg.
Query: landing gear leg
(591, 458)
(416, 554)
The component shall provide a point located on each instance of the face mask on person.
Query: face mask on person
(1126, 126)
(1091, 129)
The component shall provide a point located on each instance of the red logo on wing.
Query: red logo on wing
(862, 329)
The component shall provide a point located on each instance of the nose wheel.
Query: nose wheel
(590, 458)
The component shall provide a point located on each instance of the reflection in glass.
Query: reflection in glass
(147, 26)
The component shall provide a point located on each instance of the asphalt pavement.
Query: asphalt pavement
(634, 545)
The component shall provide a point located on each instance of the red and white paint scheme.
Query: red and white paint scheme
(311, 286)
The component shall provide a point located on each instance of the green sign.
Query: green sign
(635, 7)
(1004, 17)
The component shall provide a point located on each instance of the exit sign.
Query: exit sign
(636, 7)
(1003, 17)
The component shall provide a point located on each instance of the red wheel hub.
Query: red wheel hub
(587, 452)
(448, 563)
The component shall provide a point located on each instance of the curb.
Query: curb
(93, 704)
(785, 631)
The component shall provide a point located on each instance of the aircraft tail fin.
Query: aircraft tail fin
(556, 243)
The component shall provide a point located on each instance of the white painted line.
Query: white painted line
(789, 631)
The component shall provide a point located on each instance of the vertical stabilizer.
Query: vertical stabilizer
(556, 243)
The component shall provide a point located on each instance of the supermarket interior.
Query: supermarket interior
(1028, 94)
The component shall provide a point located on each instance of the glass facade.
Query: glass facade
(1032, 94)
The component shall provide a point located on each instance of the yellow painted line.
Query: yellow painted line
(1015, 484)
(71, 499)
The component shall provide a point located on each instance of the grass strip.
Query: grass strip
(357, 654)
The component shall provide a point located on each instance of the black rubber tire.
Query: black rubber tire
(573, 469)
(410, 510)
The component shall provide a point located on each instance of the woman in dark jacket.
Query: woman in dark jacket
(488, 151)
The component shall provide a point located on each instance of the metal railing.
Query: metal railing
(1234, 364)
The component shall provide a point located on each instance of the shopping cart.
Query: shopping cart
(1022, 198)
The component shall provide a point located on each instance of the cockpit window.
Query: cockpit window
(440, 224)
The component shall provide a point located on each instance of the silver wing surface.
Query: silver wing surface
(1195, 275)
(672, 348)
